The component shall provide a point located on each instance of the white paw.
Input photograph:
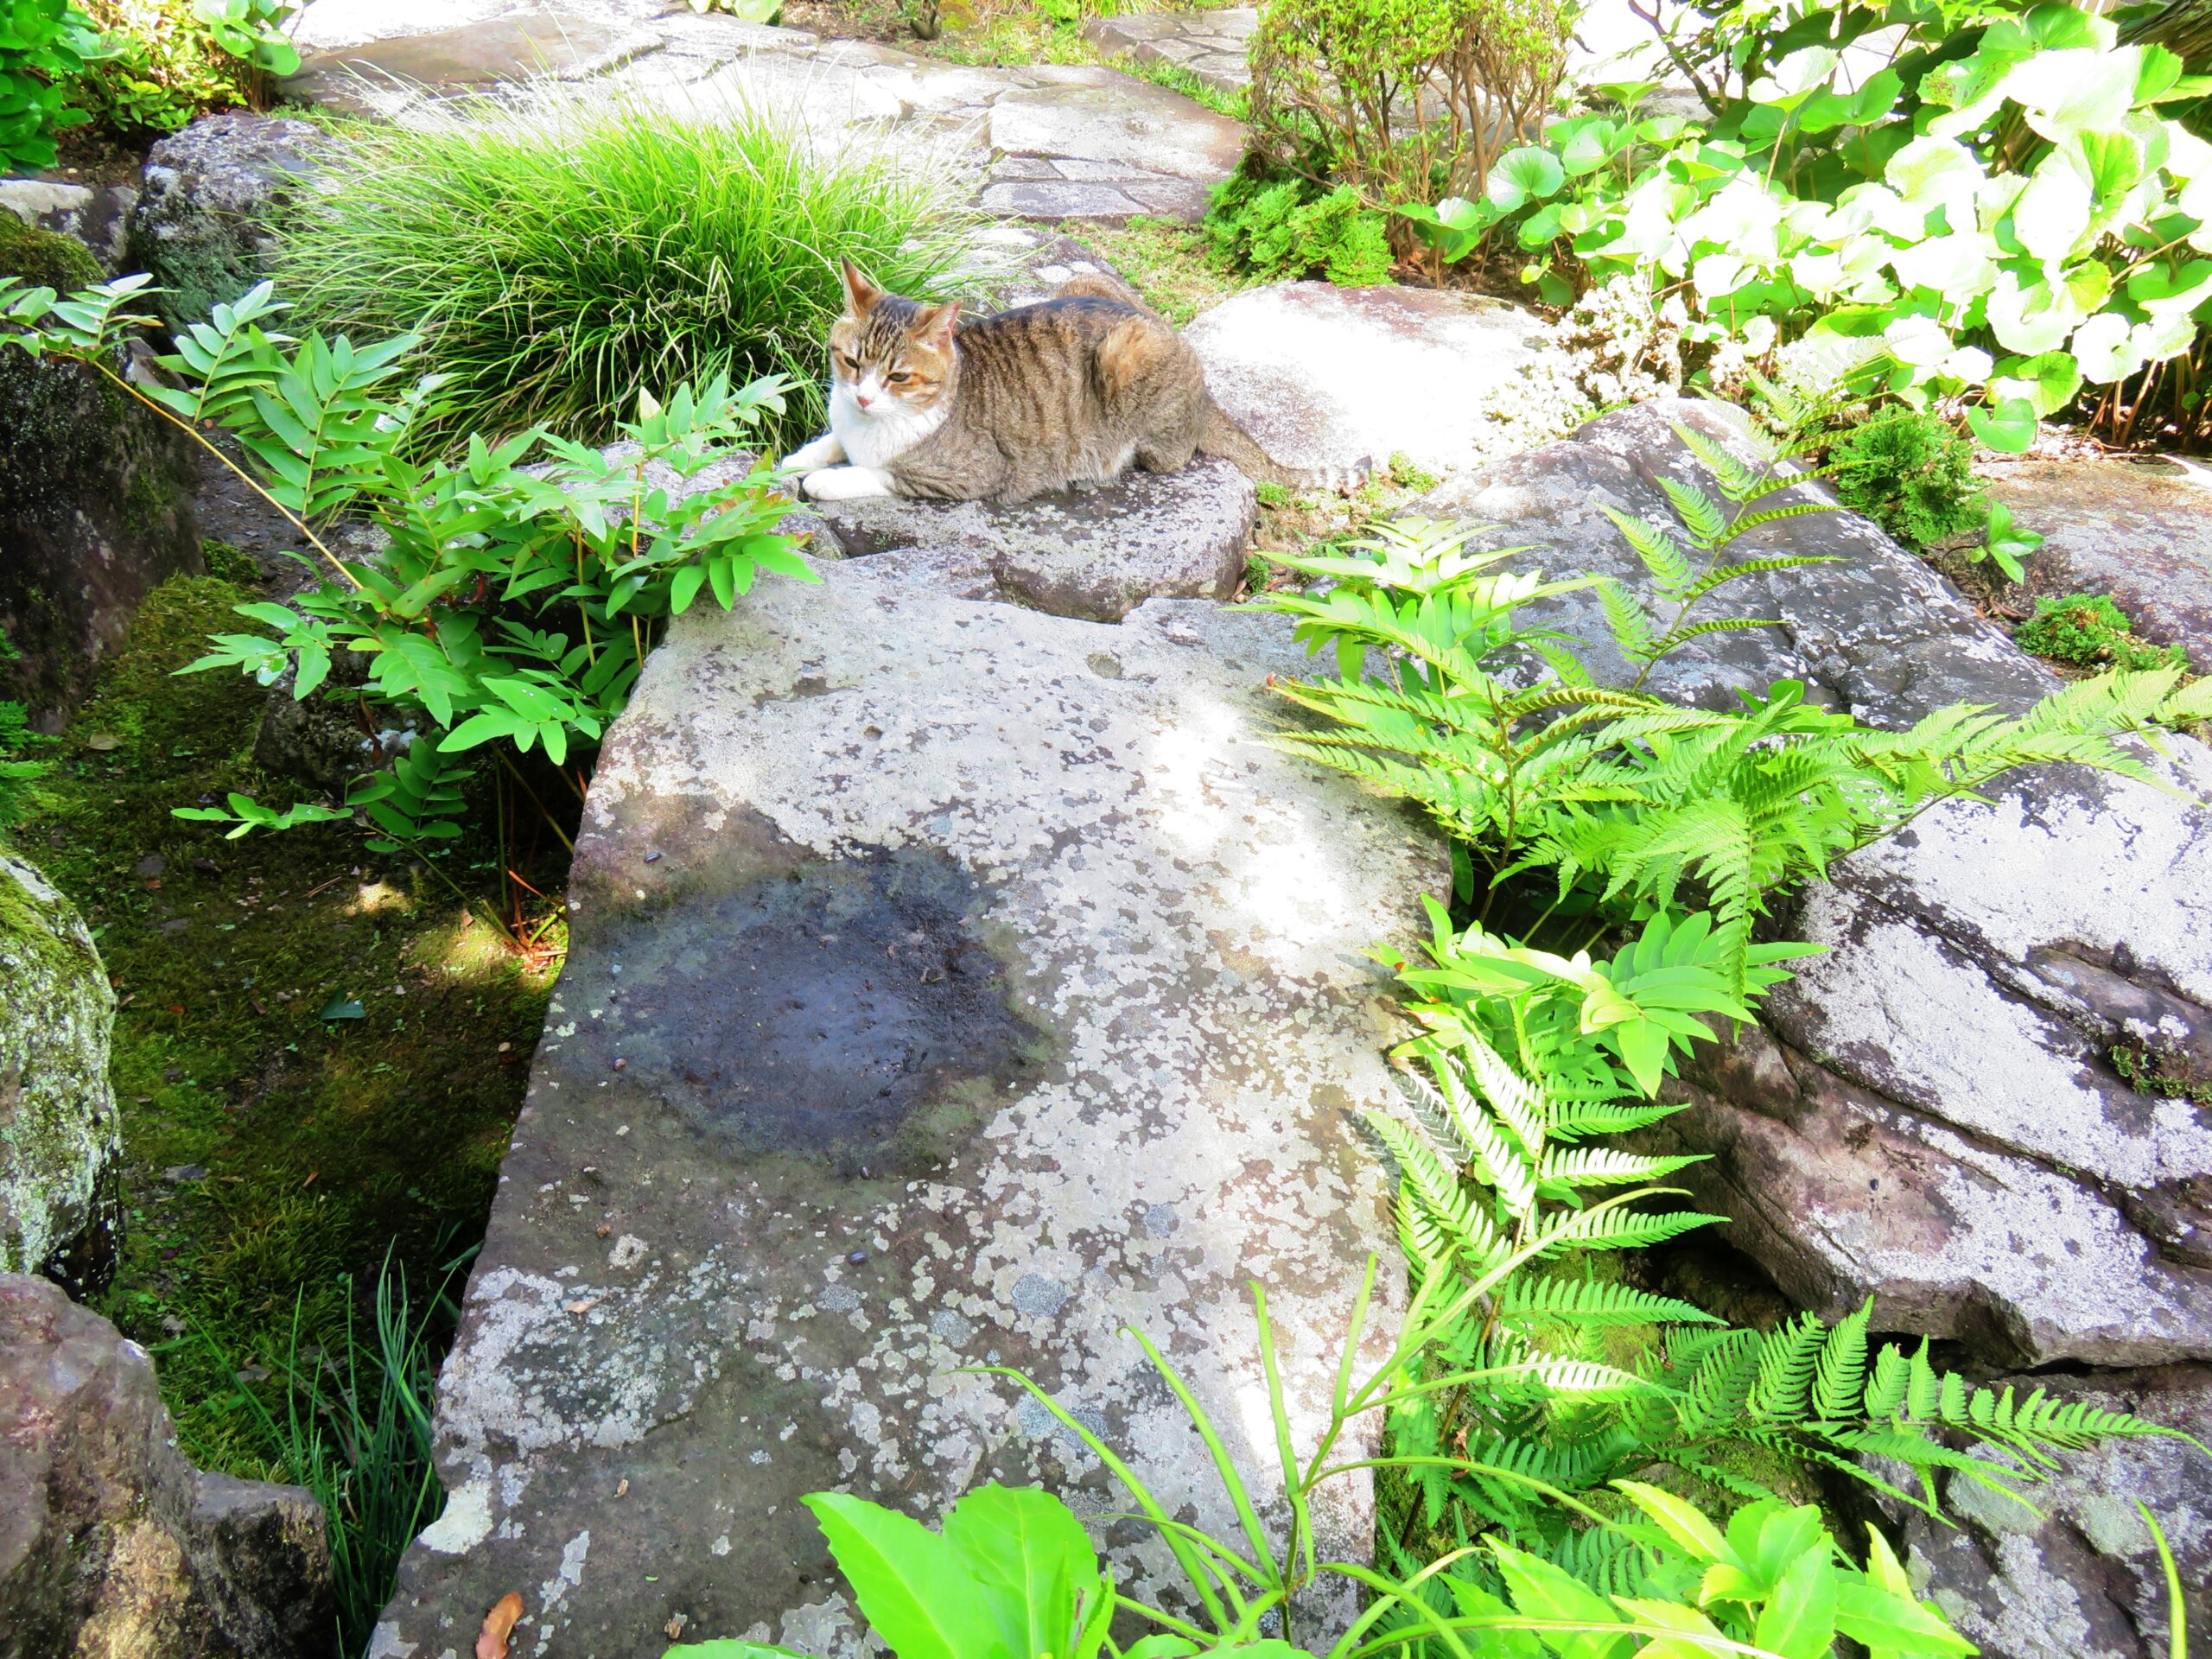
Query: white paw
(825, 451)
(847, 484)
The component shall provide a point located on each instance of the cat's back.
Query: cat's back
(1069, 327)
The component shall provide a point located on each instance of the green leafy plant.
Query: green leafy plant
(1403, 99)
(2091, 630)
(518, 587)
(1012, 1575)
(553, 262)
(1911, 474)
(2008, 211)
(44, 44)
(1505, 733)
(1279, 227)
(157, 63)
(2006, 544)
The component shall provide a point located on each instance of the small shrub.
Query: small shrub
(161, 62)
(1911, 474)
(2090, 630)
(1282, 228)
(1405, 99)
(43, 46)
(560, 259)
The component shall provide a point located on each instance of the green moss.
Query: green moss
(323, 1146)
(2090, 630)
(1911, 474)
(42, 259)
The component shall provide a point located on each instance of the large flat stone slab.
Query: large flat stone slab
(2139, 530)
(1095, 552)
(951, 985)
(1930, 1113)
(1335, 381)
(517, 48)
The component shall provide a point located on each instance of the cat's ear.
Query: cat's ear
(933, 324)
(861, 295)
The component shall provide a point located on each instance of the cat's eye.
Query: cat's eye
(898, 377)
(850, 365)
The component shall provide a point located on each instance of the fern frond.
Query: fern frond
(1579, 1302)
(1841, 1370)
(1788, 1357)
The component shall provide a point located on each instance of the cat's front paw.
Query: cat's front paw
(825, 451)
(847, 483)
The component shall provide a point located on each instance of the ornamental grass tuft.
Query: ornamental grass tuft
(559, 257)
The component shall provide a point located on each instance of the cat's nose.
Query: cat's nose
(863, 398)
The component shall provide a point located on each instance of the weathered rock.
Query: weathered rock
(2081, 1580)
(201, 226)
(110, 1542)
(519, 47)
(951, 985)
(1932, 1114)
(59, 1136)
(98, 216)
(2139, 530)
(93, 508)
(1094, 552)
(1334, 382)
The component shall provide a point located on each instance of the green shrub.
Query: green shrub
(2090, 630)
(161, 62)
(1282, 228)
(43, 46)
(2007, 213)
(549, 568)
(1405, 99)
(1911, 474)
(558, 260)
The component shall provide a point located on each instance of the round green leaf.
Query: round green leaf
(1521, 175)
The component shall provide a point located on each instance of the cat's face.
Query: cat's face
(887, 355)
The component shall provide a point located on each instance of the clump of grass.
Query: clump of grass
(354, 1428)
(560, 256)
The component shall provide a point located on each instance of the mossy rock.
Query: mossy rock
(60, 1139)
(95, 498)
(44, 259)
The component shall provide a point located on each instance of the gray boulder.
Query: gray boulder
(1934, 1114)
(60, 1138)
(2140, 530)
(97, 215)
(110, 1542)
(2081, 1579)
(201, 227)
(95, 507)
(1334, 382)
(1093, 552)
(951, 985)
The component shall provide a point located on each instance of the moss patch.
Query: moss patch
(270, 1154)
(42, 259)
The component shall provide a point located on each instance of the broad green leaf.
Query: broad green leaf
(2065, 93)
(911, 1584)
(1798, 1621)
(1522, 175)
(1027, 1544)
(2009, 429)
(2053, 213)
(1680, 1519)
(1886, 1621)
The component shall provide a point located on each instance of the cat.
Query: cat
(1074, 389)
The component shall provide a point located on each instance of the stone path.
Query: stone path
(1050, 142)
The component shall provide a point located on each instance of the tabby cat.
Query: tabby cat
(1071, 390)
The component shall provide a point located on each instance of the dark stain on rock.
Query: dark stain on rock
(842, 1010)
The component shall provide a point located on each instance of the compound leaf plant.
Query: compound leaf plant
(514, 590)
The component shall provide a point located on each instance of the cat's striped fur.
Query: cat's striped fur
(1077, 387)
